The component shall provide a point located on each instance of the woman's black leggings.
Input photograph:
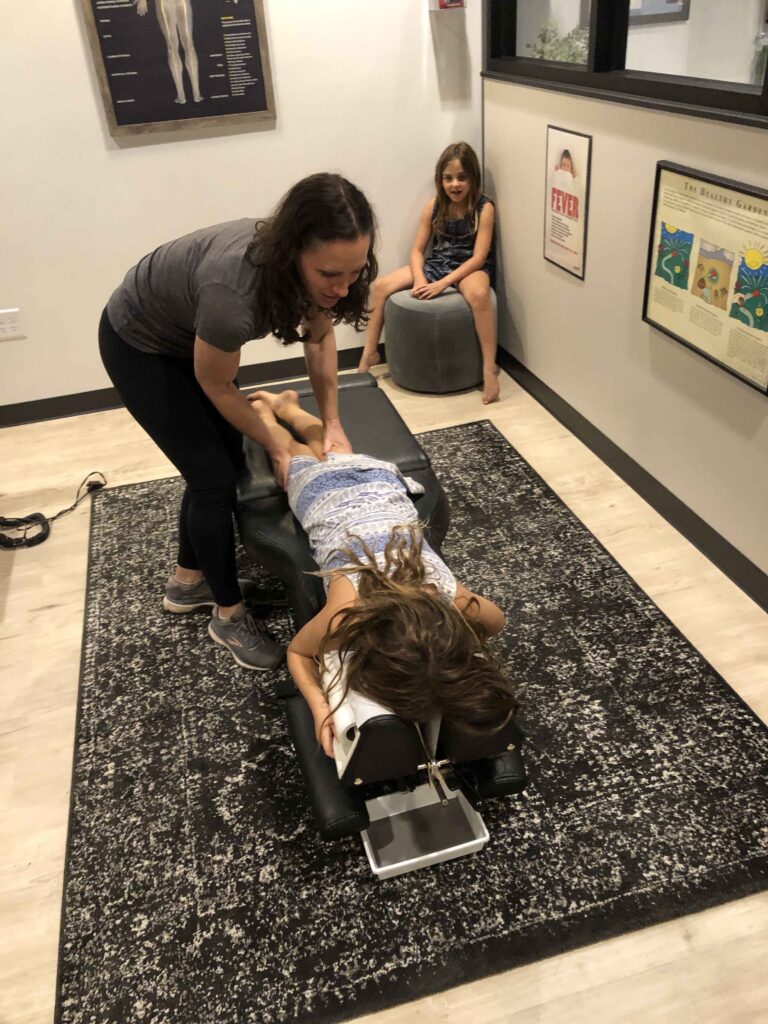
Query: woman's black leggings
(163, 395)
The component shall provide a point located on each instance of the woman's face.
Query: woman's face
(329, 269)
(566, 164)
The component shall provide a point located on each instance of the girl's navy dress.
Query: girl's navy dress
(456, 245)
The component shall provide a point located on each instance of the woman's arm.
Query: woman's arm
(215, 371)
(323, 367)
(476, 260)
(303, 650)
(484, 611)
(420, 243)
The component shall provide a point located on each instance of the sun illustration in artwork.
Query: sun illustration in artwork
(750, 296)
(754, 258)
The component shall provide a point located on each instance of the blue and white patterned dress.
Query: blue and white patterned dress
(357, 496)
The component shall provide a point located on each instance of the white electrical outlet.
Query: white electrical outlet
(10, 325)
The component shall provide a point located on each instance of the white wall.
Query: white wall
(372, 90)
(697, 429)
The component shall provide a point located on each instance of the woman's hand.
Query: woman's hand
(324, 733)
(334, 438)
(429, 291)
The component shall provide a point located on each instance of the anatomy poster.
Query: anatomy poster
(172, 63)
(707, 279)
(567, 199)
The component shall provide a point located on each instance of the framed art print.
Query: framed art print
(707, 273)
(647, 12)
(165, 64)
(658, 11)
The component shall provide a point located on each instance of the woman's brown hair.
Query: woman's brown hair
(404, 646)
(320, 208)
(467, 157)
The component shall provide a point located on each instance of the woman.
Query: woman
(170, 339)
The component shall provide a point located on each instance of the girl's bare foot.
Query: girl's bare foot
(367, 361)
(275, 402)
(491, 387)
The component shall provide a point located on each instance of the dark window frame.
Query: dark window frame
(605, 75)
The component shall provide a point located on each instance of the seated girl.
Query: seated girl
(458, 221)
(409, 635)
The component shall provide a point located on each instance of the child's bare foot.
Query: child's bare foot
(367, 361)
(276, 402)
(491, 387)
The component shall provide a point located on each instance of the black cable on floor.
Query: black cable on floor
(36, 527)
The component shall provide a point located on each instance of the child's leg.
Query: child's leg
(382, 288)
(476, 289)
(285, 406)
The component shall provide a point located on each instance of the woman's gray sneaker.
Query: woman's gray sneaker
(247, 641)
(187, 597)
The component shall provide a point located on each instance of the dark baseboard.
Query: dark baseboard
(745, 574)
(108, 398)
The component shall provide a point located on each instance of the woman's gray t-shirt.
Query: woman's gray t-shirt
(200, 284)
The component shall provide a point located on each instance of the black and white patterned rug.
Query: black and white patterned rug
(196, 890)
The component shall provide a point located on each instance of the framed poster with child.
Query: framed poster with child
(566, 205)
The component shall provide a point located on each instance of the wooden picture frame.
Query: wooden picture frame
(171, 64)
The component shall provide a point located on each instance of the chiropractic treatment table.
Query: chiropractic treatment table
(412, 791)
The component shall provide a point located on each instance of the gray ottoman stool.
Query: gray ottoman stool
(431, 344)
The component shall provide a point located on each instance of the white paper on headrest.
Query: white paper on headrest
(355, 709)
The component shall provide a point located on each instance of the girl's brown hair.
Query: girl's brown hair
(467, 157)
(320, 208)
(404, 646)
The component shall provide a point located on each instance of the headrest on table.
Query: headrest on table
(372, 744)
(375, 745)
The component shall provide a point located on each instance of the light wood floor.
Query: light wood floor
(710, 967)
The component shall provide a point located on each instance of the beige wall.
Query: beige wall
(373, 90)
(699, 431)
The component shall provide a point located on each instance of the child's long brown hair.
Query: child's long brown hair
(405, 647)
(467, 157)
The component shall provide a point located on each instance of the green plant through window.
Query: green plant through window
(571, 48)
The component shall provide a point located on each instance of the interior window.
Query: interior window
(707, 58)
(705, 39)
(555, 30)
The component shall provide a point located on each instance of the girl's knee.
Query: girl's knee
(478, 298)
(385, 286)
(379, 289)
